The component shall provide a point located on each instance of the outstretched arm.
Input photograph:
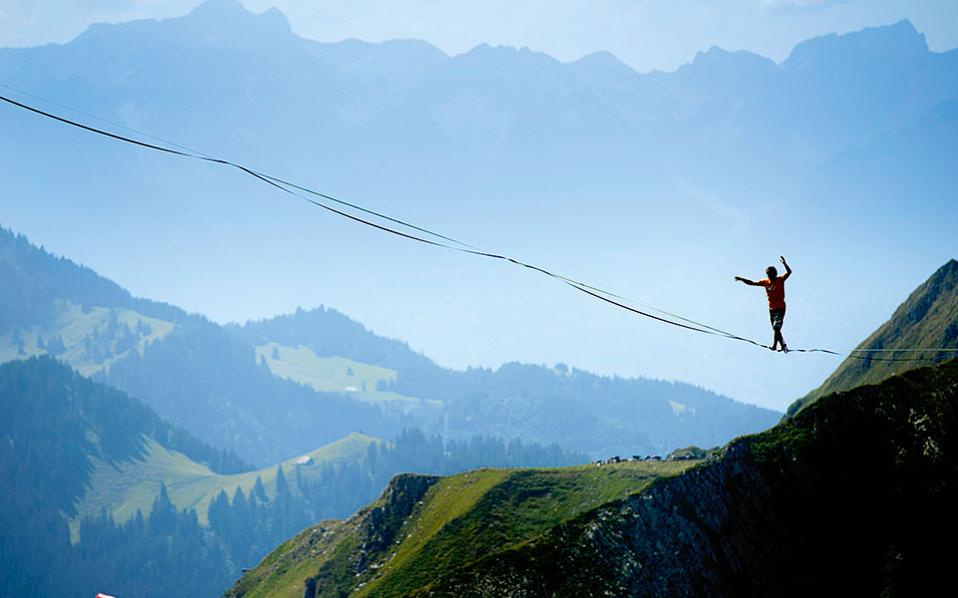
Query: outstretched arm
(788, 271)
(747, 281)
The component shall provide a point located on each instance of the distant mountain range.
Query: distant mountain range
(275, 389)
(587, 165)
(200, 376)
(853, 494)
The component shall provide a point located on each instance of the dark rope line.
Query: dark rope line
(292, 189)
(263, 175)
(362, 209)
(188, 153)
(903, 350)
(282, 185)
(103, 120)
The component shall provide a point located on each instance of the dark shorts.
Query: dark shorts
(777, 318)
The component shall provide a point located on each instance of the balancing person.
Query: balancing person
(775, 289)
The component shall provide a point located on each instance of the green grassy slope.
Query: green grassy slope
(325, 374)
(123, 488)
(457, 527)
(117, 331)
(928, 319)
(451, 522)
(337, 374)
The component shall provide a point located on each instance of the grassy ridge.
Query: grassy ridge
(445, 502)
(510, 508)
(335, 374)
(73, 325)
(325, 374)
(456, 521)
(124, 488)
(282, 572)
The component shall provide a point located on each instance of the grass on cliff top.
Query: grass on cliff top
(282, 573)
(469, 516)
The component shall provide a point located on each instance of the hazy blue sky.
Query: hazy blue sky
(648, 34)
(504, 313)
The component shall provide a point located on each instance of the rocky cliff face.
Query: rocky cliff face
(344, 550)
(853, 496)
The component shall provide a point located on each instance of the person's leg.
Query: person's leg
(777, 318)
(775, 335)
(779, 322)
(778, 339)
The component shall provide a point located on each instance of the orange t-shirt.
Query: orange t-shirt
(775, 291)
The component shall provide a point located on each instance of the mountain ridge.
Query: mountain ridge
(804, 495)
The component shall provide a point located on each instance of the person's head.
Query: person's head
(771, 272)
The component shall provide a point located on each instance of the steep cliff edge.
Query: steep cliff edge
(423, 528)
(334, 553)
(854, 495)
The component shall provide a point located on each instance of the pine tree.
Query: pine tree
(163, 516)
(260, 490)
(282, 488)
(219, 512)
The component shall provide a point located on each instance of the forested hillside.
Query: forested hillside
(64, 434)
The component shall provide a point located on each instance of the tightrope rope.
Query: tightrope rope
(438, 240)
